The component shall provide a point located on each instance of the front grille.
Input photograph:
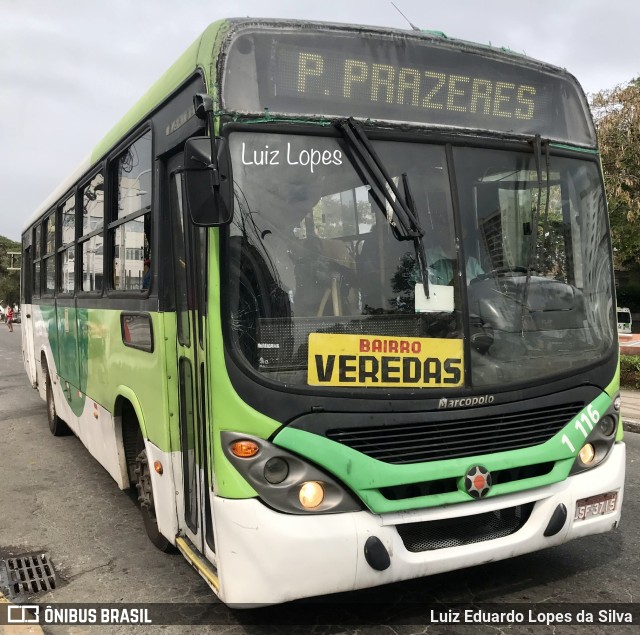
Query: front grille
(420, 441)
(414, 490)
(449, 485)
(455, 532)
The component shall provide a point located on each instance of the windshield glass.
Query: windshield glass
(321, 292)
(559, 317)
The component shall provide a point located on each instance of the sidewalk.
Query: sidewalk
(629, 343)
(631, 409)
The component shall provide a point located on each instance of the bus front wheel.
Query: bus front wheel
(145, 497)
(57, 426)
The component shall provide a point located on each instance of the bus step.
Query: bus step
(199, 562)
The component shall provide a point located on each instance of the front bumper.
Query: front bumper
(266, 557)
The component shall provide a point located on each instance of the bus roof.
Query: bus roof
(202, 55)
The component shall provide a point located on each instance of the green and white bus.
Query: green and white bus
(339, 302)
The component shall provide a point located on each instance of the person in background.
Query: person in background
(146, 280)
(9, 317)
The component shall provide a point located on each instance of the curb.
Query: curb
(631, 425)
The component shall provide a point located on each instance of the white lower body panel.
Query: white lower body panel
(266, 557)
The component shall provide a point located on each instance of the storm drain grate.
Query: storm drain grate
(28, 574)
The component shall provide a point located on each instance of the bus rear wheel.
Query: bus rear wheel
(145, 497)
(57, 426)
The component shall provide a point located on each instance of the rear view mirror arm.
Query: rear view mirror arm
(203, 105)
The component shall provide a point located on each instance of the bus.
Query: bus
(624, 320)
(338, 301)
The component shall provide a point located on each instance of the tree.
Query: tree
(9, 280)
(617, 116)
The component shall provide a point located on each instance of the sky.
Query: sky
(69, 69)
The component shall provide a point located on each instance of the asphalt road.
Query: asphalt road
(55, 498)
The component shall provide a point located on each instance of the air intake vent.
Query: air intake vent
(454, 532)
(420, 441)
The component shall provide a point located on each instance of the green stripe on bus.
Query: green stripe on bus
(365, 475)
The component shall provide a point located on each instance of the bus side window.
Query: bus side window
(66, 253)
(37, 252)
(130, 226)
(91, 243)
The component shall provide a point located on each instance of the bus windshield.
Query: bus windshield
(310, 252)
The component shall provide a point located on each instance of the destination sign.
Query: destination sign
(385, 362)
(402, 79)
(331, 76)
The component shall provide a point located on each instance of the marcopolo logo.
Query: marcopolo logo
(466, 402)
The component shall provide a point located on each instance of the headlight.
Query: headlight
(598, 444)
(587, 454)
(608, 425)
(276, 469)
(311, 494)
(283, 480)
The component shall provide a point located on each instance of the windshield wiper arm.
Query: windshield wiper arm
(418, 243)
(533, 248)
(404, 222)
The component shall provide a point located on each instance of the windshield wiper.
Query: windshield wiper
(404, 221)
(533, 248)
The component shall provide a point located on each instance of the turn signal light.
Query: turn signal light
(157, 466)
(245, 448)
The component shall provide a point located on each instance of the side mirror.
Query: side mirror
(209, 187)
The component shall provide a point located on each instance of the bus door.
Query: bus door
(189, 267)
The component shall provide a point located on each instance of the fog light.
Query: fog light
(587, 454)
(311, 494)
(607, 426)
(276, 470)
(245, 448)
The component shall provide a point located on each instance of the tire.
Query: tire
(145, 497)
(57, 426)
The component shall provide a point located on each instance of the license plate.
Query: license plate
(596, 506)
